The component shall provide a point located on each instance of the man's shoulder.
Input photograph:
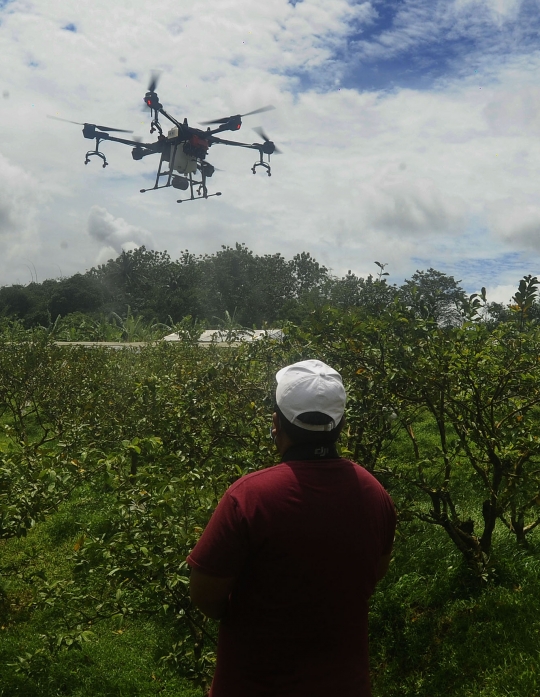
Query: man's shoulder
(271, 472)
(284, 470)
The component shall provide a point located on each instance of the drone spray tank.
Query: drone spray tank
(183, 163)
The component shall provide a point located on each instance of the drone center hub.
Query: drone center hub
(196, 147)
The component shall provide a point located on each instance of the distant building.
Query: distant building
(222, 336)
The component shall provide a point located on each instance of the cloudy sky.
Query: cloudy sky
(409, 130)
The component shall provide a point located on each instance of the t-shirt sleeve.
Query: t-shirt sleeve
(222, 549)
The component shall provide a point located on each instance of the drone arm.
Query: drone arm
(171, 118)
(252, 146)
(224, 127)
(106, 136)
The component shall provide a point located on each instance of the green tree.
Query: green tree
(307, 274)
(524, 299)
(15, 301)
(227, 283)
(374, 296)
(434, 295)
(176, 290)
(79, 293)
(131, 278)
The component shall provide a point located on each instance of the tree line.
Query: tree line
(233, 286)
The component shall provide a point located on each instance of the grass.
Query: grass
(433, 632)
(115, 663)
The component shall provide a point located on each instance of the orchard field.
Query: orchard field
(112, 462)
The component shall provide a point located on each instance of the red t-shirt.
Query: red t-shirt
(304, 539)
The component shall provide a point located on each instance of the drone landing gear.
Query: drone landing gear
(96, 152)
(202, 191)
(194, 198)
(262, 164)
(99, 154)
(185, 181)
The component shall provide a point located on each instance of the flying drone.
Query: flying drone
(183, 149)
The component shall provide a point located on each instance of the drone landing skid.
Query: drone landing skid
(99, 154)
(194, 198)
(262, 164)
(96, 152)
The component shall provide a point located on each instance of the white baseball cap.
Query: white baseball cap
(310, 386)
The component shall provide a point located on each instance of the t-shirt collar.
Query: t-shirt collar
(311, 452)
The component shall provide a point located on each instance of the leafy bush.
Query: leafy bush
(445, 417)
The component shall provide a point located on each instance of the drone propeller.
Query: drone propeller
(151, 100)
(101, 128)
(238, 116)
(154, 80)
(266, 139)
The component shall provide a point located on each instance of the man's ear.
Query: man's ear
(276, 425)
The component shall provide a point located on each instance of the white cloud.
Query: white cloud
(21, 197)
(504, 8)
(105, 253)
(115, 234)
(412, 207)
(363, 176)
(500, 294)
(514, 111)
(516, 221)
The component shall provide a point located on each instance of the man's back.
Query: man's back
(304, 539)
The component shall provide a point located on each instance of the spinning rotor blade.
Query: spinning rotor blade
(101, 128)
(238, 116)
(117, 130)
(266, 139)
(208, 123)
(154, 79)
(270, 107)
(57, 118)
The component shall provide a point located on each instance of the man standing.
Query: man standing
(292, 554)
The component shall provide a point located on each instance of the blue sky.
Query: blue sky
(410, 133)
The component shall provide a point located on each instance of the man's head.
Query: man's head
(310, 403)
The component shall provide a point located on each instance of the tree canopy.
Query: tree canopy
(234, 285)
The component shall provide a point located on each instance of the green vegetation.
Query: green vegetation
(144, 294)
(112, 462)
